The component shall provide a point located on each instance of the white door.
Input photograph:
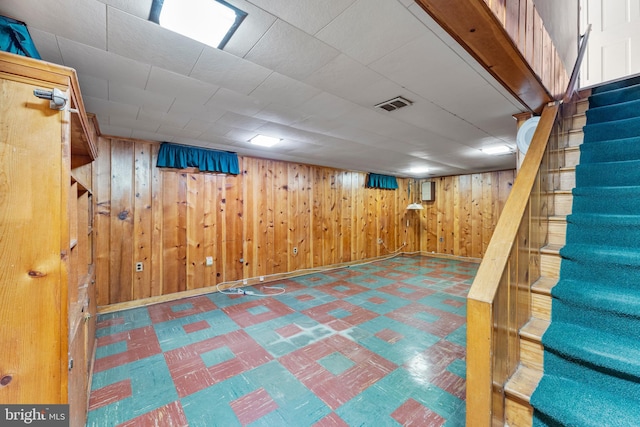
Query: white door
(614, 45)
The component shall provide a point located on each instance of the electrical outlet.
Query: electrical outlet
(209, 261)
(262, 278)
(295, 250)
(244, 281)
(139, 266)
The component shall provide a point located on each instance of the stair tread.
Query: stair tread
(611, 255)
(534, 329)
(601, 296)
(613, 352)
(587, 406)
(544, 285)
(522, 383)
(551, 249)
(557, 218)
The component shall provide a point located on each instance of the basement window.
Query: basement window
(211, 22)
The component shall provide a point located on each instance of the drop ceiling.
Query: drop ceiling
(309, 72)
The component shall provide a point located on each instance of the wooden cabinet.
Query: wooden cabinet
(47, 302)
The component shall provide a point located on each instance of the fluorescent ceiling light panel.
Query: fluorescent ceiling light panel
(419, 169)
(211, 22)
(496, 150)
(264, 141)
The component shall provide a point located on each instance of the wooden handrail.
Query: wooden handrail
(571, 87)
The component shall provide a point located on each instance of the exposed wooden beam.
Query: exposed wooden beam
(475, 27)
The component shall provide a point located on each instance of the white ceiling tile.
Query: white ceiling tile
(47, 45)
(151, 136)
(93, 86)
(317, 124)
(327, 106)
(98, 63)
(128, 122)
(141, 98)
(184, 88)
(105, 107)
(223, 69)
(369, 29)
(344, 77)
(308, 15)
(290, 51)
(109, 130)
(241, 136)
(284, 91)
(195, 111)
(232, 101)
(278, 114)
(169, 119)
(139, 8)
(215, 132)
(424, 70)
(178, 132)
(287, 132)
(239, 121)
(132, 37)
(83, 21)
(198, 125)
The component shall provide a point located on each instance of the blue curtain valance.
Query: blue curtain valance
(15, 38)
(182, 156)
(386, 182)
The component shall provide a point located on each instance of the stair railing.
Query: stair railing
(498, 304)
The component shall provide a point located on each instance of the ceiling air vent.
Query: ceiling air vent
(394, 104)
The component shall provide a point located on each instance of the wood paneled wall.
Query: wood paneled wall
(523, 23)
(171, 220)
(461, 219)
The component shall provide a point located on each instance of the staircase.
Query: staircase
(591, 352)
(518, 411)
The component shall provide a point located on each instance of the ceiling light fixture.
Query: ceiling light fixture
(264, 141)
(418, 170)
(496, 150)
(211, 22)
(415, 206)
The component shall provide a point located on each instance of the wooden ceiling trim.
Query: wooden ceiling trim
(474, 25)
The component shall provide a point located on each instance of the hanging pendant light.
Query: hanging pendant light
(414, 206)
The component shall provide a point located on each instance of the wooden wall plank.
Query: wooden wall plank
(210, 231)
(157, 276)
(142, 220)
(102, 221)
(282, 245)
(318, 218)
(121, 244)
(170, 234)
(195, 257)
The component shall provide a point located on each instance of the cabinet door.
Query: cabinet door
(32, 301)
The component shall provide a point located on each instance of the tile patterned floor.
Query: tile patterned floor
(380, 344)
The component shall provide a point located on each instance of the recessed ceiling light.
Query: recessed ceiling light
(211, 22)
(264, 141)
(418, 170)
(497, 149)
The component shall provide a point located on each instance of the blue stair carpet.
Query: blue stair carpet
(592, 347)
